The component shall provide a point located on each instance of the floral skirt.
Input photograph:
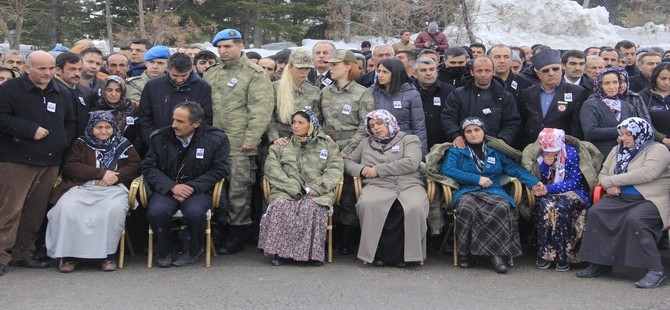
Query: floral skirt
(560, 225)
(294, 229)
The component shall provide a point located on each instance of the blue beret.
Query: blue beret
(158, 51)
(226, 34)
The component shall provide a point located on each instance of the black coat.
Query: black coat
(23, 109)
(434, 99)
(161, 95)
(366, 80)
(82, 104)
(638, 83)
(206, 161)
(500, 114)
(563, 116)
(449, 77)
(311, 77)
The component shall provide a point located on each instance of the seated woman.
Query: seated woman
(562, 206)
(601, 113)
(393, 205)
(624, 227)
(486, 219)
(92, 201)
(303, 173)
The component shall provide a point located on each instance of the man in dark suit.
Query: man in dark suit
(380, 52)
(574, 65)
(320, 75)
(552, 103)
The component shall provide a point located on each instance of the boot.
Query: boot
(346, 240)
(235, 238)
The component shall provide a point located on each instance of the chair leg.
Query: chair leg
(208, 246)
(330, 237)
(130, 245)
(511, 261)
(122, 248)
(150, 254)
(455, 246)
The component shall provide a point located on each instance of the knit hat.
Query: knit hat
(158, 51)
(301, 58)
(343, 55)
(226, 34)
(545, 58)
(432, 26)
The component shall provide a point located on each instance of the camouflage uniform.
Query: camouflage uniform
(242, 105)
(319, 166)
(135, 85)
(343, 111)
(306, 96)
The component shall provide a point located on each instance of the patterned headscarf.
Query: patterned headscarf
(553, 140)
(313, 130)
(476, 153)
(613, 102)
(643, 134)
(388, 119)
(107, 151)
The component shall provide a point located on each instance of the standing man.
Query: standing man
(478, 50)
(13, 59)
(156, 59)
(36, 126)
(574, 67)
(454, 68)
(281, 59)
(117, 64)
(502, 62)
(628, 48)
(243, 102)
(91, 58)
(551, 104)
(183, 164)
(404, 44)
(594, 64)
(162, 94)
(269, 65)
(646, 62)
(483, 96)
(68, 73)
(408, 58)
(138, 48)
(202, 61)
(320, 75)
(433, 96)
(610, 56)
(432, 38)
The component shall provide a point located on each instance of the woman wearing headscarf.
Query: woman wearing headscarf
(487, 222)
(601, 113)
(92, 201)
(125, 113)
(393, 92)
(393, 205)
(561, 207)
(303, 173)
(623, 228)
(657, 101)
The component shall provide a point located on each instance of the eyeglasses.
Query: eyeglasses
(555, 69)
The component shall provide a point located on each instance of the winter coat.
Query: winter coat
(343, 112)
(600, 125)
(433, 100)
(306, 96)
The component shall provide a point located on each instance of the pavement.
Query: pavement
(247, 281)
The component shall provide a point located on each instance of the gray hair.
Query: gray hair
(325, 42)
(10, 52)
(423, 60)
(382, 45)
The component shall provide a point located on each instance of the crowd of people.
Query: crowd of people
(77, 127)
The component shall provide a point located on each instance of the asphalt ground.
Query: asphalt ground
(247, 281)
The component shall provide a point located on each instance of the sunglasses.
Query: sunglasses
(555, 69)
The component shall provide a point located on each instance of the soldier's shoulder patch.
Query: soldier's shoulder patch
(212, 66)
(254, 66)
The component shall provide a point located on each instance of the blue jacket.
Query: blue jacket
(460, 166)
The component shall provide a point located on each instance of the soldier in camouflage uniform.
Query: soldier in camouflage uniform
(242, 105)
(344, 105)
(156, 59)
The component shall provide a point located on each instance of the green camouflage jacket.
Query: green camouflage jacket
(135, 85)
(304, 96)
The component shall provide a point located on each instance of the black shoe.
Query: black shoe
(235, 239)
(314, 262)
(401, 265)
(653, 279)
(29, 263)
(278, 261)
(185, 259)
(464, 262)
(378, 263)
(164, 262)
(594, 270)
(562, 266)
(541, 263)
(2, 269)
(499, 264)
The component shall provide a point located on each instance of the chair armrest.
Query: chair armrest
(133, 191)
(338, 190)
(598, 192)
(144, 200)
(517, 190)
(430, 191)
(531, 197)
(358, 187)
(216, 195)
(446, 190)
